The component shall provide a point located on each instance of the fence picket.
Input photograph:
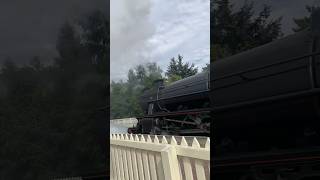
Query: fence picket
(112, 164)
(164, 140)
(117, 163)
(129, 164)
(153, 171)
(146, 165)
(125, 163)
(140, 165)
(200, 173)
(134, 164)
(121, 163)
(158, 162)
(186, 162)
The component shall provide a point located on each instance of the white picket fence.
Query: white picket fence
(144, 157)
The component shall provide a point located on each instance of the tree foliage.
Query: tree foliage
(206, 68)
(178, 70)
(51, 122)
(234, 31)
(125, 95)
(96, 38)
(304, 22)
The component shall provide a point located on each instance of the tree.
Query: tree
(53, 113)
(179, 70)
(206, 68)
(304, 22)
(95, 36)
(68, 42)
(36, 63)
(234, 31)
(124, 96)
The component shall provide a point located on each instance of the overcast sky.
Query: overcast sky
(157, 30)
(29, 28)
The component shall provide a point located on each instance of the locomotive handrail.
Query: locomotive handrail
(266, 66)
(252, 79)
(267, 100)
(183, 86)
(187, 85)
(199, 92)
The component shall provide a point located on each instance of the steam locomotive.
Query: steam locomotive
(181, 108)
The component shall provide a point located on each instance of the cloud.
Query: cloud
(129, 31)
(162, 30)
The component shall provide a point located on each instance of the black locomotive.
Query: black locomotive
(180, 108)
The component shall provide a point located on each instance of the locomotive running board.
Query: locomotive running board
(187, 112)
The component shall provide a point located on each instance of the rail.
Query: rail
(145, 157)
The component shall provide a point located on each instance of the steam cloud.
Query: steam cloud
(129, 34)
(157, 30)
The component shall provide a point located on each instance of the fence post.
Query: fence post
(170, 163)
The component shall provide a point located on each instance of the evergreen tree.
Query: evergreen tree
(179, 70)
(95, 33)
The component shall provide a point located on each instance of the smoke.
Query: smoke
(129, 34)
